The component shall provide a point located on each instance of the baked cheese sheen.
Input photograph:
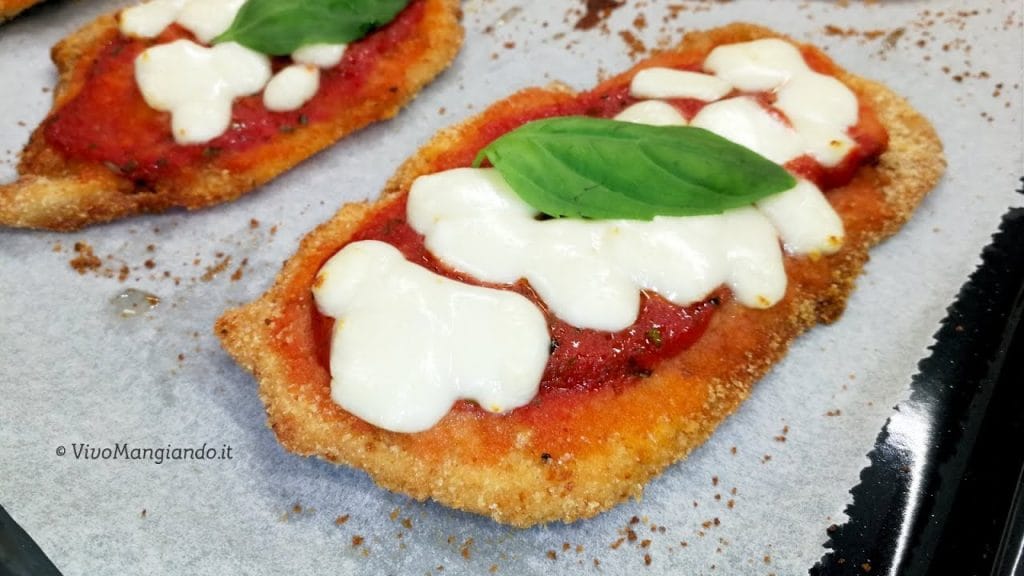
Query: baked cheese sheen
(206, 19)
(670, 83)
(653, 112)
(320, 55)
(408, 343)
(197, 85)
(290, 88)
(819, 108)
(591, 273)
(200, 107)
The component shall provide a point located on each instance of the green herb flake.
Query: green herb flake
(654, 336)
(583, 167)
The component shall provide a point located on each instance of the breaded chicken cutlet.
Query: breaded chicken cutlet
(103, 153)
(11, 8)
(597, 431)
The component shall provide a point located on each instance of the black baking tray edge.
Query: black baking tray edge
(19, 555)
(952, 505)
(947, 498)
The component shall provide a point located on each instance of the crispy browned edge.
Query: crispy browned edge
(517, 487)
(57, 194)
(11, 8)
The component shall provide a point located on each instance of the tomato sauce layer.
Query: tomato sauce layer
(583, 359)
(580, 359)
(109, 122)
(588, 359)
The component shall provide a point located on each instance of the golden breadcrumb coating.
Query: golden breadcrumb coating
(576, 454)
(59, 193)
(11, 8)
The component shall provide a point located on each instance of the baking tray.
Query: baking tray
(944, 493)
(758, 498)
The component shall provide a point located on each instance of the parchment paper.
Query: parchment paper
(756, 499)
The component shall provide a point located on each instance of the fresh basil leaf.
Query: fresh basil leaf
(279, 27)
(585, 167)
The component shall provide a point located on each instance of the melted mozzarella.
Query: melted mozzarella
(652, 112)
(805, 220)
(292, 87)
(671, 83)
(207, 19)
(408, 343)
(320, 55)
(747, 123)
(150, 18)
(820, 107)
(757, 66)
(590, 273)
(685, 259)
(197, 85)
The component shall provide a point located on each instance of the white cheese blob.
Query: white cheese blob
(197, 85)
(805, 220)
(149, 19)
(295, 85)
(207, 19)
(671, 83)
(292, 87)
(408, 343)
(744, 121)
(652, 112)
(320, 55)
(590, 272)
(820, 107)
(757, 66)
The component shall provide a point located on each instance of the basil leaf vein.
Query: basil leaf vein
(583, 167)
(279, 27)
